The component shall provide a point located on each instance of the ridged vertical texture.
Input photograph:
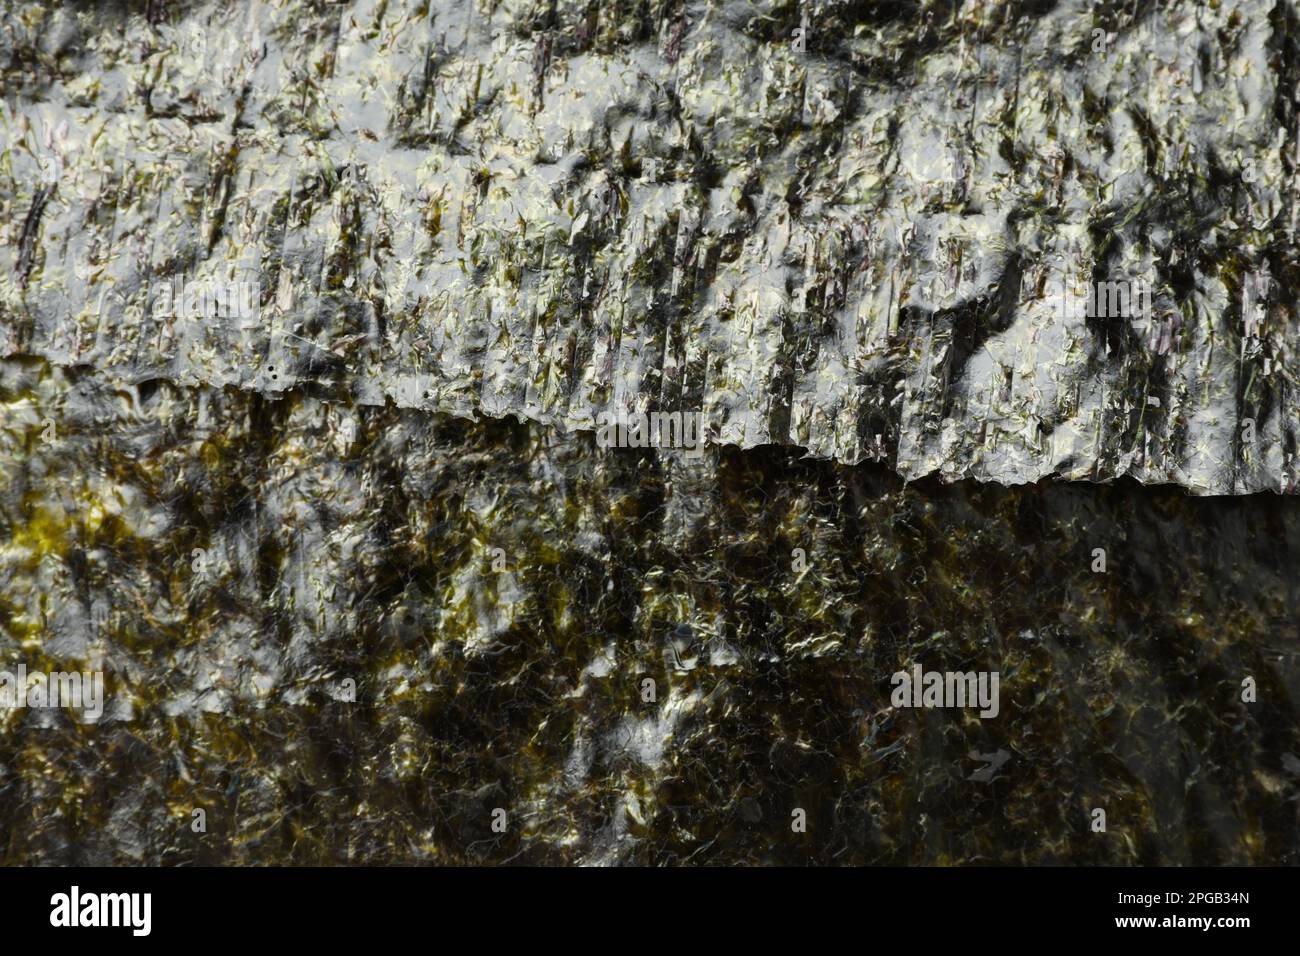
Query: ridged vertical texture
(846, 241)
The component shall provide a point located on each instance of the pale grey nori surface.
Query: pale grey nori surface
(550, 209)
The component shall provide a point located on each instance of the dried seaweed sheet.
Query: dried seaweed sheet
(834, 226)
(499, 593)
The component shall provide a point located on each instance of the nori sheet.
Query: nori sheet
(359, 575)
(845, 241)
(369, 552)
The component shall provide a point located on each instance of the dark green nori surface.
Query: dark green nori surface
(520, 689)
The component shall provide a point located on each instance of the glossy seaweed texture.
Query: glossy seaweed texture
(338, 529)
(857, 228)
(499, 593)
